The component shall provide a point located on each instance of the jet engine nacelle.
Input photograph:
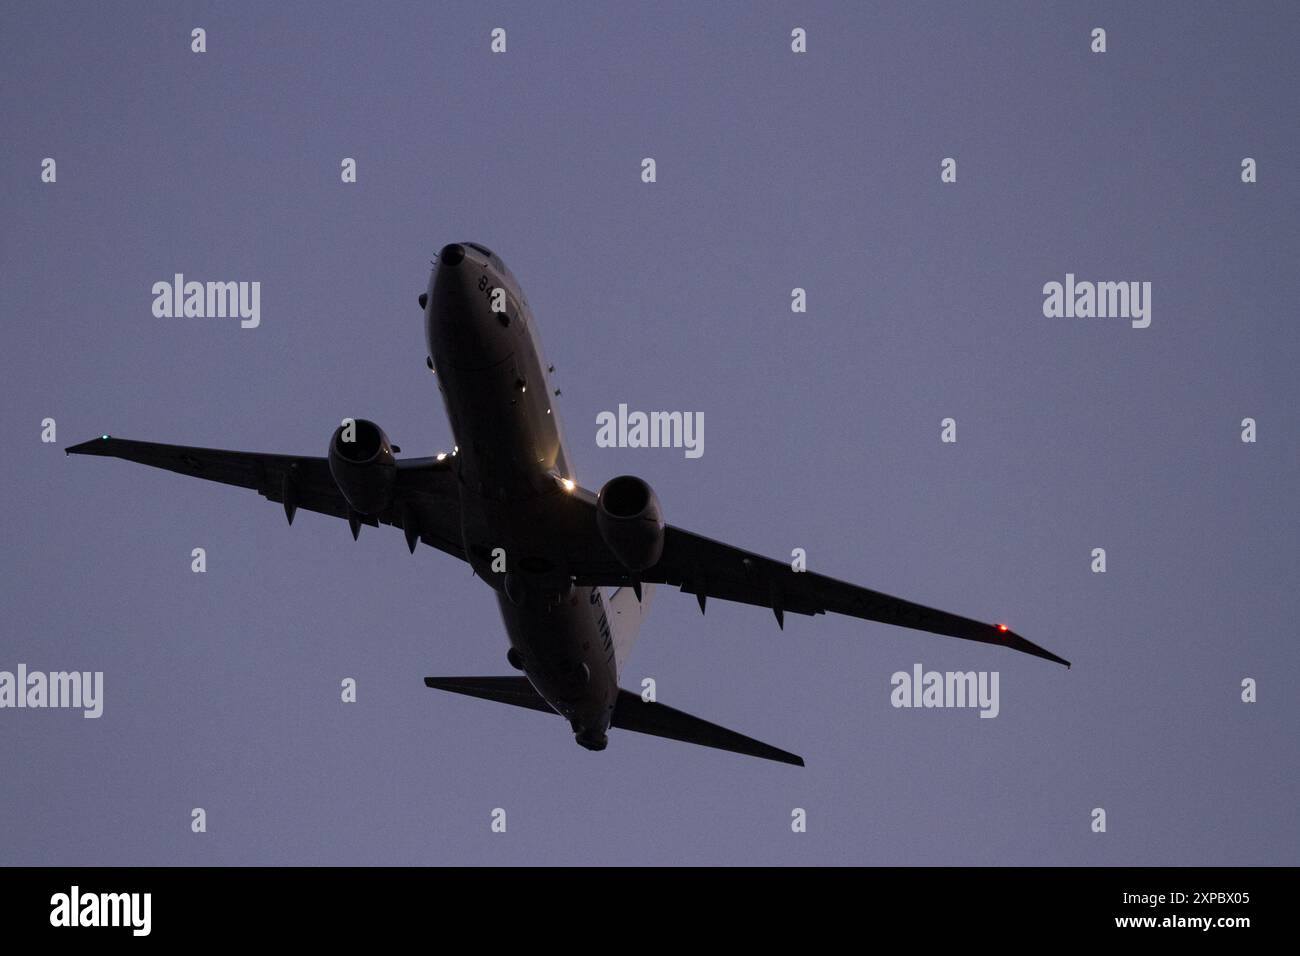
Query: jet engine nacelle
(363, 467)
(630, 522)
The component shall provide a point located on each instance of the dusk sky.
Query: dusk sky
(775, 170)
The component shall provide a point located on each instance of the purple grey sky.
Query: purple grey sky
(775, 170)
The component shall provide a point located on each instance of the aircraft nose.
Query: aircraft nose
(461, 330)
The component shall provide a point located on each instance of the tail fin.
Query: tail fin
(625, 616)
(630, 713)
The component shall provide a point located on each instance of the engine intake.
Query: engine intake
(364, 467)
(630, 522)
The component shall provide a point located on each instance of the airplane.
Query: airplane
(506, 501)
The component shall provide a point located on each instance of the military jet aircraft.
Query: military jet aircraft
(506, 501)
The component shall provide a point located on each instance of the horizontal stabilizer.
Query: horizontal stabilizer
(505, 690)
(630, 713)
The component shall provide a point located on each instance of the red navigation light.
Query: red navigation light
(1002, 628)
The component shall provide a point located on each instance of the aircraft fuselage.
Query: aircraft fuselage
(509, 459)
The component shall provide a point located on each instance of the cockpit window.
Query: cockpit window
(483, 249)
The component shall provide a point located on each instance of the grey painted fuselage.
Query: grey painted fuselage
(509, 458)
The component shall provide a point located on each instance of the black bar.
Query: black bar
(542, 907)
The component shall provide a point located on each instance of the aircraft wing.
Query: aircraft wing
(426, 504)
(707, 568)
